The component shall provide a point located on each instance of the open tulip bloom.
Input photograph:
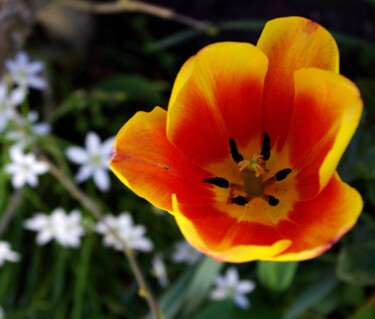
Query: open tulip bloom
(245, 157)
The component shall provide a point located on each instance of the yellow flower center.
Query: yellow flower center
(254, 185)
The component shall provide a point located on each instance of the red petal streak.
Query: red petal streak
(290, 44)
(145, 161)
(315, 225)
(217, 95)
(327, 110)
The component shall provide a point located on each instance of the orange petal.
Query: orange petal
(327, 110)
(290, 44)
(315, 225)
(217, 95)
(145, 161)
(223, 238)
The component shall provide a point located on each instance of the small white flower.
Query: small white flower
(28, 129)
(185, 253)
(94, 160)
(26, 73)
(159, 271)
(25, 168)
(7, 254)
(65, 228)
(119, 231)
(230, 287)
(2, 315)
(9, 99)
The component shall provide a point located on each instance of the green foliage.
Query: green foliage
(276, 276)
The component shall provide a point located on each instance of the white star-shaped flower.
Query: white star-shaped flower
(26, 73)
(9, 99)
(121, 230)
(230, 287)
(65, 228)
(185, 253)
(25, 168)
(94, 160)
(7, 254)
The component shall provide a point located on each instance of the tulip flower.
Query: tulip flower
(245, 157)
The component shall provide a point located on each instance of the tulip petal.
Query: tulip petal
(145, 161)
(315, 225)
(224, 238)
(217, 93)
(212, 236)
(333, 106)
(290, 44)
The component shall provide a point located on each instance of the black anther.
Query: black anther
(280, 175)
(266, 147)
(272, 201)
(217, 181)
(240, 200)
(237, 157)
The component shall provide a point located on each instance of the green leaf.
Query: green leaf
(135, 86)
(200, 285)
(313, 293)
(276, 276)
(356, 264)
(367, 312)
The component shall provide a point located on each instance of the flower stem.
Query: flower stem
(140, 6)
(91, 206)
(13, 203)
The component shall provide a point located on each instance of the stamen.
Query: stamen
(237, 157)
(280, 175)
(272, 201)
(240, 200)
(256, 164)
(266, 147)
(217, 181)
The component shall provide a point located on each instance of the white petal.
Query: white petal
(83, 173)
(92, 143)
(241, 301)
(245, 286)
(36, 223)
(37, 82)
(36, 67)
(17, 96)
(219, 294)
(16, 154)
(32, 180)
(18, 181)
(44, 237)
(108, 145)
(77, 154)
(40, 168)
(232, 277)
(101, 180)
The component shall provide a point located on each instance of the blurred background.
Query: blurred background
(103, 64)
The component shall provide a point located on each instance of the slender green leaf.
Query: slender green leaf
(200, 285)
(313, 293)
(356, 264)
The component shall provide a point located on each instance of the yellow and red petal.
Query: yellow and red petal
(327, 110)
(223, 237)
(145, 161)
(290, 44)
(216, 95)
(315, 225)
(311, 228)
